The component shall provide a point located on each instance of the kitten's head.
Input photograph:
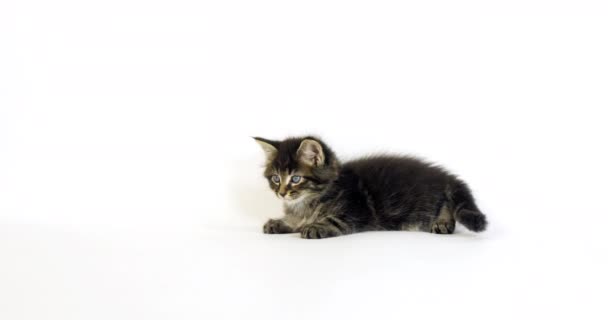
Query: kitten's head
(297, 168)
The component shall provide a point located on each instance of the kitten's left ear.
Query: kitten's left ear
(311, 153)
(270, 147)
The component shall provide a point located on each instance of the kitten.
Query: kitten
(325, 198)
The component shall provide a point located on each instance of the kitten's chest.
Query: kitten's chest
(301, 214)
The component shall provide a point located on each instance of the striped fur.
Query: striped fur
(372, 193)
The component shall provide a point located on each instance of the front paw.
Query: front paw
(276, 226)
(318, 231)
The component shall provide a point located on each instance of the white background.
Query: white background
(130, 187)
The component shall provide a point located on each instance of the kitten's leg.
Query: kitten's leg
(444, 223)
(274, 226)
(326, 227)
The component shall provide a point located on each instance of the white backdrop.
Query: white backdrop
(130, 187)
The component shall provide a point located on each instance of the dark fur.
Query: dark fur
(373, 193)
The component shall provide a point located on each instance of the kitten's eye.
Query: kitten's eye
(276, 179)
(296, 179)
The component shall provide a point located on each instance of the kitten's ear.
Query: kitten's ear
(311, 153)
(269, 147)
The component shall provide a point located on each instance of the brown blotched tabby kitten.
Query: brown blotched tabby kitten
(325, 198)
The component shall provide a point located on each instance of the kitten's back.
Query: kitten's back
(401, 174)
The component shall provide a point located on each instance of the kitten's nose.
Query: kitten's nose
(282, 193)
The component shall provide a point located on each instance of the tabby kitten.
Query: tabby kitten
(325, 198)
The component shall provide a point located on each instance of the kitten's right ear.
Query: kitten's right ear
(270, 147)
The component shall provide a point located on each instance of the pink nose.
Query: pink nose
(282, 194)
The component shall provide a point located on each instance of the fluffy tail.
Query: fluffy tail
(473, 220)
(466, 212)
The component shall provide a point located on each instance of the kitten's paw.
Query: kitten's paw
(443, 227)
(318, 231)
(276, 226)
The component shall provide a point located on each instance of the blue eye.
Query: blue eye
(275, 179)
(296, 179)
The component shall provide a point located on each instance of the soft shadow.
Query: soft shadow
(252, 197)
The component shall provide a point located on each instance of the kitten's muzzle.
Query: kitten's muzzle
(292, 195)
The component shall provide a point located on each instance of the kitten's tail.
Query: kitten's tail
(466, 211)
